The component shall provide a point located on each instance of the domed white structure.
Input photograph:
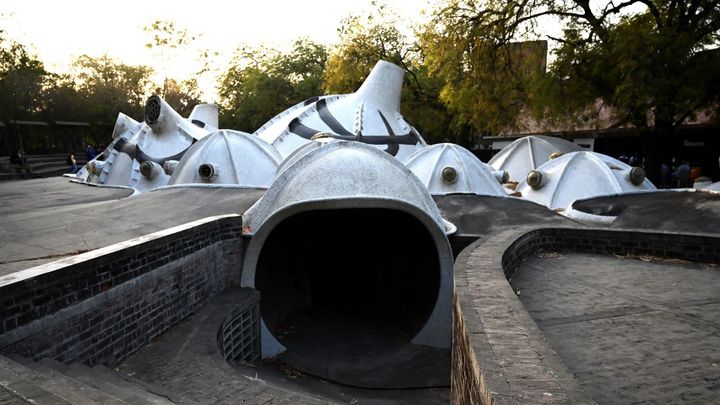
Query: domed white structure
(317, 142)
(325, 229)
(124, 128)
(447, 168)
(227, 157)
(578, 175)
(528, 153)
(370, 115)
(138, 152)
(707, 185)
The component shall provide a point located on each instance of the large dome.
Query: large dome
(354, 189)
(578, 175)
(340, 171)
(228, 157)
(370, 115)
(447, 168)
(528, 153)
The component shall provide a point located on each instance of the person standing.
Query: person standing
(682, 175)
(72, 163)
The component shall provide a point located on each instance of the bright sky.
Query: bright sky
(59, 31)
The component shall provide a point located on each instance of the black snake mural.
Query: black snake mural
(392, 141)
(136, 153)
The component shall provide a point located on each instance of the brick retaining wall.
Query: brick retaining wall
(696, 248)
(499, 354)
(101, 306)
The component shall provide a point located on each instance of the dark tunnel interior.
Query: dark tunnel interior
(377, 269)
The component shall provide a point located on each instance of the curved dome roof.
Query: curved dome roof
(370, 115)
(579, 175)
(447, 168)
(351, 175)
(302, 151)
(708, 186)
(344, 172)
(228, 157)
(528, 153)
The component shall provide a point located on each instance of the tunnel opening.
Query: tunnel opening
(346, 290)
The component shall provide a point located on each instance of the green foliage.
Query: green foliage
(183, 95)
(164, 34)
(22, 77)
(486, 76)
(652, 67)
(168, 41)
(364, 40)
(262, 82)
(651, 73)
(106, 87)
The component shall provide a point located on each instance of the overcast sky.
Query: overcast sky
(59, 31)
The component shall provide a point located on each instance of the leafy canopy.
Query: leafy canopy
(643, 64)
(261, 82)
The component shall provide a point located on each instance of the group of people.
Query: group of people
(90, 153)
(674, 173)
(679, 173)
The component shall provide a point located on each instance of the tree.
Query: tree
(485, 70)
(364, 40)
(642, 64)
(262, 82)
(108, 87)
(22, 77)
(166, 39)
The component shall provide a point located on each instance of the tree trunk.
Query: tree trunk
(659, 146)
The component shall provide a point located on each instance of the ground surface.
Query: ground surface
(632, 331)
(46, 219)
(477, 215)
(186, 360)
(674, 211)
(366, 352)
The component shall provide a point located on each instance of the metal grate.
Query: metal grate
(152, 109)
(239, 335)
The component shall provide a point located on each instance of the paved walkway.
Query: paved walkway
(632, 331)
(186, 360)
(46, 219)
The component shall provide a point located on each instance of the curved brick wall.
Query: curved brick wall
(499, 354)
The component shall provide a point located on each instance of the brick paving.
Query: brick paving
(515, 362)
(631, 331)
(7, 397)
(185, 364)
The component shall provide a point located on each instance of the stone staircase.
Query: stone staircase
(40, 166)
(49, 382)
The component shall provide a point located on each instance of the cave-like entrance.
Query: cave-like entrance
(346, 290)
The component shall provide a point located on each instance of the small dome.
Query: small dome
(713, 187)
(370, 115)
(447, 168)
(577, 175)
(228, 157)
(528, 153)
(344, 171)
